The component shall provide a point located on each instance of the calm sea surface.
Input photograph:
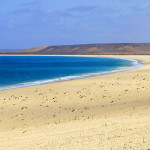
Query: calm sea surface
(22, 70)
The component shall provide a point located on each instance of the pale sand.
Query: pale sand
(104, 113)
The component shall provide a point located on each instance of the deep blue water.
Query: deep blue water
(22, 69)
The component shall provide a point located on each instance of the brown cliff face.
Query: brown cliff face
(87, 49)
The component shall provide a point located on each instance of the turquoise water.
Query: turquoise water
(19, 71)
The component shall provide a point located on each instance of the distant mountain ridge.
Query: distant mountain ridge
(87, 49)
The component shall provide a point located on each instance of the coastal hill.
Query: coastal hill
(87, 49)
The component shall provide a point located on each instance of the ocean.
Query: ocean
(21, 71)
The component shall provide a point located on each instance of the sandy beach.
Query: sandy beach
(110, 112)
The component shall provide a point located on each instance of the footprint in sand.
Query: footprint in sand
(23, 108)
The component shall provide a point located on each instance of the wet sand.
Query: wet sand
(105, 112)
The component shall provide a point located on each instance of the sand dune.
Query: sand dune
(106, 112)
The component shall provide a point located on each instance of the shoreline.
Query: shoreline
(102, 112)
(135, 64)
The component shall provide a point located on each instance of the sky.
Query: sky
(30, 23)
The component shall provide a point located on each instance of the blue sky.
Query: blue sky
(30, 23)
